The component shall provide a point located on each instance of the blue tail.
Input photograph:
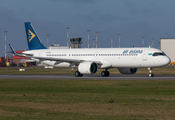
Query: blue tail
(33, 40)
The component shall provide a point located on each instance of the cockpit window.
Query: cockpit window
(158, 54)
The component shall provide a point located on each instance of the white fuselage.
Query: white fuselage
(109, 57)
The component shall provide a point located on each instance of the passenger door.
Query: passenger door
(144, 57)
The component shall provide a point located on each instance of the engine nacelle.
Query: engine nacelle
(127, 70)
(88, 68)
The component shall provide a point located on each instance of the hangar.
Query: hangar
(168, 46)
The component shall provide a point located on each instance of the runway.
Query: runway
(89, 77)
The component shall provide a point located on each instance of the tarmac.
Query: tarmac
(89, 77)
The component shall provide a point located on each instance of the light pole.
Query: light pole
(143, 42)
(93, 43)
(119, 40)
(96, 39)
(111, 41)
(67, 36)
(48, 41)
(5, 46)
(88, 38)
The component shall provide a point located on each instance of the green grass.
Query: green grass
(83, 99)
(58, 71)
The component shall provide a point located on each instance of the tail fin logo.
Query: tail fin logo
(31, 35)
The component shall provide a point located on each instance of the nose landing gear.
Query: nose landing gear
(150, 72)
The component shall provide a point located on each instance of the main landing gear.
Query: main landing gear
(105, 73)
(78, 74)
(150, 72)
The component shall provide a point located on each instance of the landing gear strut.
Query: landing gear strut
(150, 72)
(105, 73)
(78, 74)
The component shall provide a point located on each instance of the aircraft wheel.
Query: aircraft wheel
(104, 73)
(107, 73)
(151, 75)
(78, 74)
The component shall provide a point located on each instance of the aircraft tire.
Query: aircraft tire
(151, 75)
(78, 74)
(104, 73)
(107, 73)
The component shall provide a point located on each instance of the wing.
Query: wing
(59, 60)
(56, 59)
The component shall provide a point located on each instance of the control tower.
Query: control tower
(76, 42)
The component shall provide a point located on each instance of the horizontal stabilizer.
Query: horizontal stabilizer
(13, 51)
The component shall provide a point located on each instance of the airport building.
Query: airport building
(167, 45)
(57, 46)
(76, 42)
(2, 61)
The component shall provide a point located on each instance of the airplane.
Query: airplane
(89, 60)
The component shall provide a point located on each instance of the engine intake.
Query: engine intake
(127, 70)
(88, 68)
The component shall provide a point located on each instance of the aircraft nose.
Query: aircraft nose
(166, 61)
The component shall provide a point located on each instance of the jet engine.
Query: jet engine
(88, 68)
(127, 70)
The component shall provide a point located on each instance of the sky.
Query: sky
(133, 19)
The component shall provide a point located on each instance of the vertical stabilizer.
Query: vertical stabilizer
(33, 40)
